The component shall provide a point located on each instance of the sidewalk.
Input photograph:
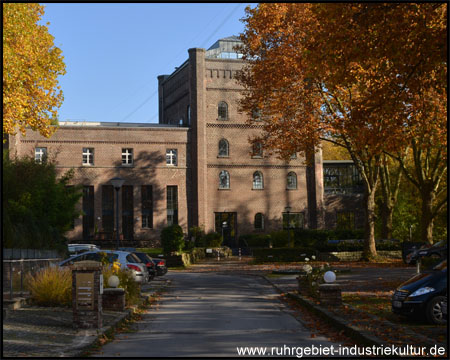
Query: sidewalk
(47, 332)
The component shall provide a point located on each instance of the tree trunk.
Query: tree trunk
(387, 211)
(426, 220)
(370, 250)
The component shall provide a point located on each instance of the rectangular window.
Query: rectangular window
(88, 156)
(341, 178)
(345, 220)
(147, 206)
(88, 212)
(171, 157)
(127, 212)
(127, 156)
(40, 154)
(108, 208)
(172, 205)
(293, 220)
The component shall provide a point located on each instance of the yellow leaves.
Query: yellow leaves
(31, 66)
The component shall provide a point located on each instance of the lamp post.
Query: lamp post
(117, 183)
(288, 210)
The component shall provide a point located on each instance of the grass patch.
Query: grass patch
(376, 305)
(181, 267)
(153, 252)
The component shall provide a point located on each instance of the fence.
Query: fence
(17, 263)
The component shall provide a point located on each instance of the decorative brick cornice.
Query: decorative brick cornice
(106, 142)
(255, 166)
(222, 89)
(233, 126)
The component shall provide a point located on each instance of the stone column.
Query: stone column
(86, 294)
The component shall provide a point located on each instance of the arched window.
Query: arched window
(222, 111)
(292, 180)
(223, 147)
(258, 182)
(188, 115)
(224, 180)
(257, 150)
(259, 221)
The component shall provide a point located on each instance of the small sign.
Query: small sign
(101, 284)
(209, 251)
(85, 290)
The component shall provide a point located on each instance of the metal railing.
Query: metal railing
(17, 263)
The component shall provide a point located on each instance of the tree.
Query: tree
(344, 73)
(31, 66)
(38, 207)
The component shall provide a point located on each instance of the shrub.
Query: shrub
(283, 254)
(51, 286)
(172, 239)
(212, 240)
(281, 239)
(198, 233)
(254, 240)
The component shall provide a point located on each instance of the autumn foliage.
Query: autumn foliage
(31, 66)
(370, 77)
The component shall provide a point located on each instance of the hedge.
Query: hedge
(283, 254)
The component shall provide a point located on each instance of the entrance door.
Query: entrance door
(225, 224)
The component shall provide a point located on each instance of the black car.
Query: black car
(436, 251)
(424, 295)
(161, 268)
(151, 266)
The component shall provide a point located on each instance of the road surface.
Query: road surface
(209, 314)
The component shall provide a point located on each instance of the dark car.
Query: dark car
(151, 266)
(436, 251)
(424, 295)
(161, 268)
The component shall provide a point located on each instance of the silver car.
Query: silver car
(126, 259)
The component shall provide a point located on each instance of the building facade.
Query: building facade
(195, 168)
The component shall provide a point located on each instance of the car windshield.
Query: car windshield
(440, 243)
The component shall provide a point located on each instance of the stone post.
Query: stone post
(87, 280)
(330, 295)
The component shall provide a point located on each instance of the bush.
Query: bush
(283, 254)
(213, 240)
(254, 240)
(198, 233)
(172, 239)
(51, 286)
(281, 239)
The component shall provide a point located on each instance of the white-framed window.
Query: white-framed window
(40, 154)
(222, 111)
(188, 114)
(171, 157)
(294, 156)
(258, 182)
(127, 156)
(224, 180)
(259, 221)
(292, 180)
(223, 147)
(88, 156)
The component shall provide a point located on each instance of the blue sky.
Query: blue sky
(114, 52)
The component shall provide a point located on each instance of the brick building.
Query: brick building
(195, 168)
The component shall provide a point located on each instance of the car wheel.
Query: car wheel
(434, 313)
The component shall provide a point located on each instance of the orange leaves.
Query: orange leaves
(31, 66)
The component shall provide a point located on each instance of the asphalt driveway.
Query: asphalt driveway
(209, 314)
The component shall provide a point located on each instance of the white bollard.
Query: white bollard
(239, 253)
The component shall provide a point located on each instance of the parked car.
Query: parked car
(436, 251)
(80, 248)
(151, 266)
(424, 295)
(161, 268)
(126, 259)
